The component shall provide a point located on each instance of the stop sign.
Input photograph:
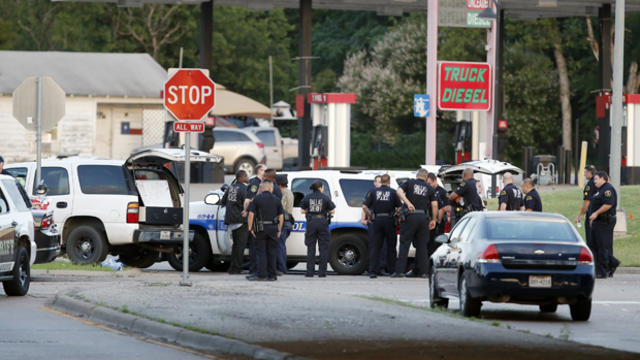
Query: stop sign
(189, 94)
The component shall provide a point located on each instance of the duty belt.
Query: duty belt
(266, 223)
(383, 214)
(317, 216)
(417, 211)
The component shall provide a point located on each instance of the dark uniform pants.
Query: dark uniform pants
(240, 237)
(414, 230)
(587, 234)
(252, 254)
(282, 247)
(383, 233)
(266, 245)
(602, 236)
(317, 232)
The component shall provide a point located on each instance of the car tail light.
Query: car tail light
(260, 145)
(585, 257)
(46, 222)
(489, 255)
(132, 212)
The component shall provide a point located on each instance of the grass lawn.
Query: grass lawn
(569, 201)
(65, 264)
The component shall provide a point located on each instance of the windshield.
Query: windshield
(528, 229)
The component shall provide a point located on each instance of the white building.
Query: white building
(113, 103)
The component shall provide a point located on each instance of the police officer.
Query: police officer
(443, 207)
(366, 221)
(418, 196)
(465, 198)
(510, 198)
(380, 204)
(317, 207)
(252, 191)
(266, 219)
(287, 205)
(587, 193)
(2, 170)
(532, 200)
(235, 218)
(603, 219)
(270, 174)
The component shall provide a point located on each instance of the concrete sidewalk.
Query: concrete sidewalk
(319, 318)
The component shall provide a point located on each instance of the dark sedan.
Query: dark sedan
(517, 257)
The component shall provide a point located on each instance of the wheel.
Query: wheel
(19, 285)
(348, 254)
(548, 308)
(245, 164)
(86, 245)
(216, 265)
(199, 254)
(139, 258)
(468, 305)
(581, 310)
(434, 294)
(291, 264)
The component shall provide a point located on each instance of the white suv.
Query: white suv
(17, 244)
(131, 209)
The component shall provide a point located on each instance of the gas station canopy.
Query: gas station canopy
(514, 9)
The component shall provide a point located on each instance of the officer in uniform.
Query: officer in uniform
(587, 194)
(603, 219)
(266, 217)
(510, 198)
(443, 207)
(465, 198)
(317, 207)
(418, 196)
(380, 205)
(366, 221)
(532, 200)
(235, 217)
(287, 206)
(252, 191)
(270, 174)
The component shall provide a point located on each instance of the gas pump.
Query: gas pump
(331, 133)
(462, 141)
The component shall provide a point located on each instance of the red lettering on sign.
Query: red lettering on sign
(477, 4)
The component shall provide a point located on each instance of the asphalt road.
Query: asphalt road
(29, 330)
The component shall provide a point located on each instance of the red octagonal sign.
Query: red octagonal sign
(189, 94)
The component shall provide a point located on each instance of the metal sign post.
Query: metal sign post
(38, 131)
(187, 182)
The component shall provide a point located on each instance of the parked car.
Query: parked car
(348, 249)
(517, 257)
(487, 172)
(132, 209)
(17, 245)
(46, 231)
(241, 150)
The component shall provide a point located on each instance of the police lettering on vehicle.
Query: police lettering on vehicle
(7, 247)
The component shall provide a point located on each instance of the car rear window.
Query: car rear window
(56, 179)
(20, 173)
(355, 190)
(229, 136)
(17, 195)
(102, 179)
(268, 138)
(529, 230)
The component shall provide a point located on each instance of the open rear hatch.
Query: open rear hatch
(159, 191)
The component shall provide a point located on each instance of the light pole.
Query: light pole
(498, 18)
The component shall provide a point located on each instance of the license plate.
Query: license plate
(540, 281)
(165, 235)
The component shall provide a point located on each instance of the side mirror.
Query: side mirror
(224, 187)
(41, 189)
(442, 239)
(212, 199)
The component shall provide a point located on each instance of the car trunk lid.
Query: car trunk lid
(539, 255)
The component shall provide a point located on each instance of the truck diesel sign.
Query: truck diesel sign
(464, 86)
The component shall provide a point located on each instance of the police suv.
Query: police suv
(17, 244)
(348, 249)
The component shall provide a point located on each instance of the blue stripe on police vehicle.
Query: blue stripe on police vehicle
(301, 226)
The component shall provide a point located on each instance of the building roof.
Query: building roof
(85, 74)
(516, 9)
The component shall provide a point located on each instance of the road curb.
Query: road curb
(164, 332)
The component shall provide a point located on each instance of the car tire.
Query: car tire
(216, 265)
(434, 294)
(199, 254)
(86, 245)
(581, 310)
(245, 164)
(348, 254)
(549, 308)
(468, 305)
(19, 285)
(140, 258)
